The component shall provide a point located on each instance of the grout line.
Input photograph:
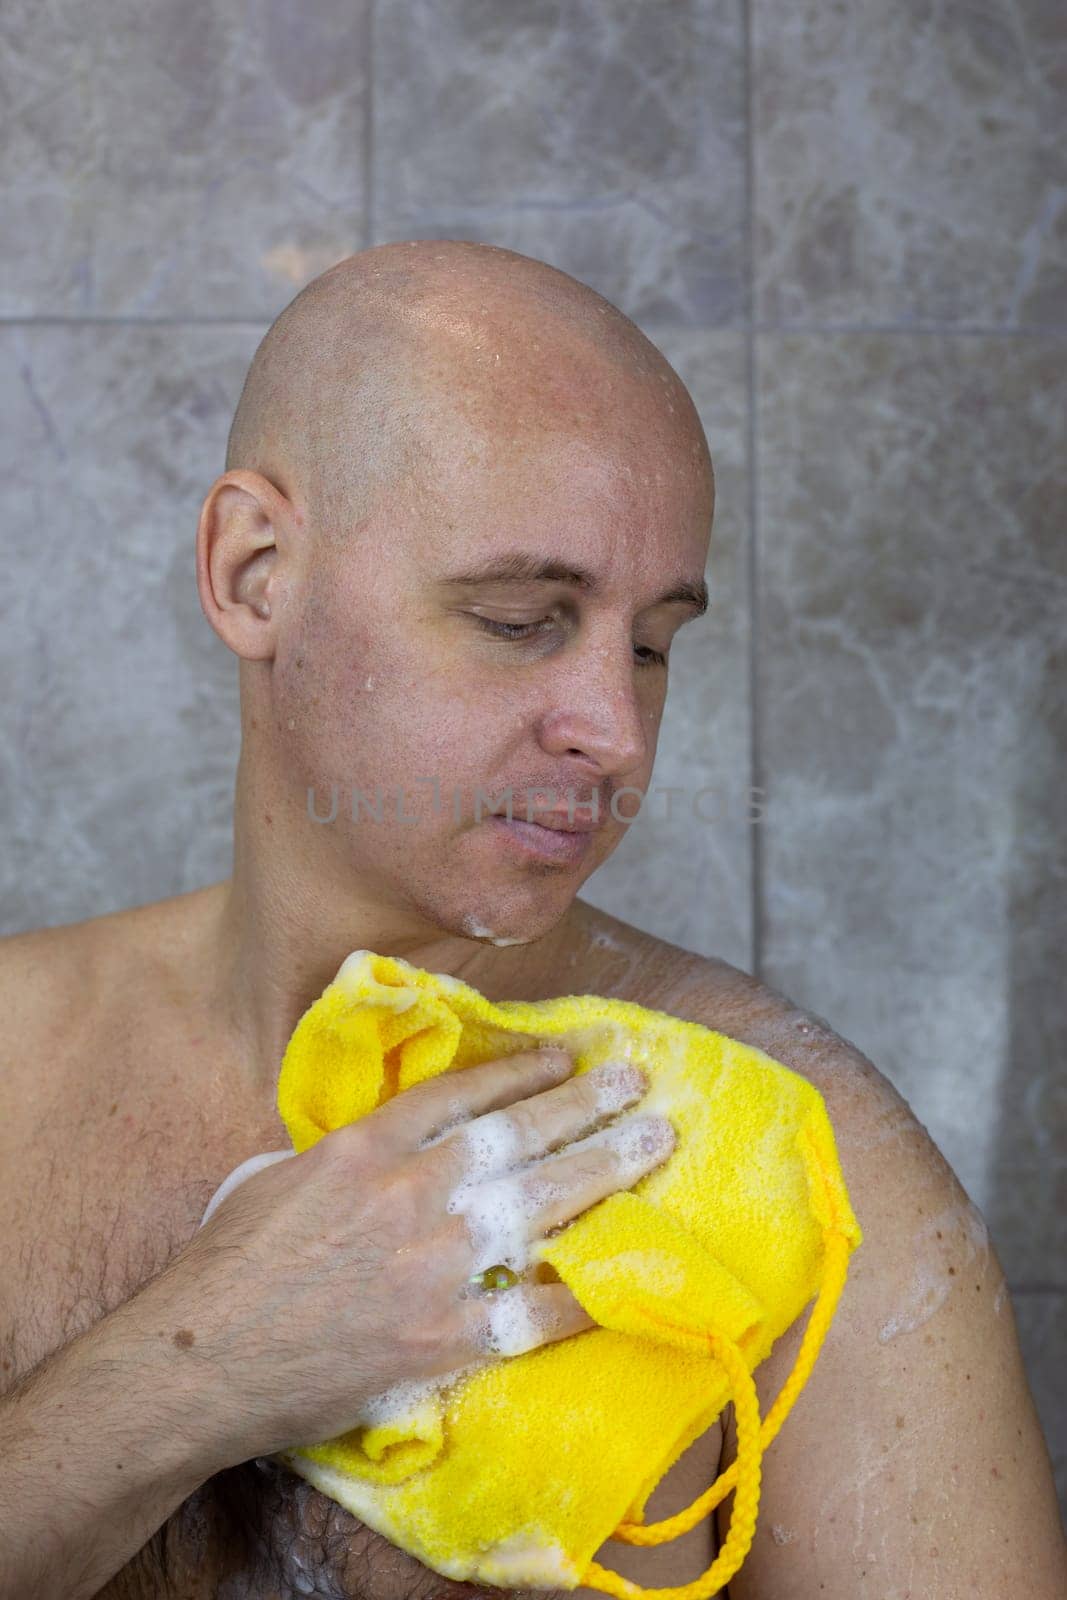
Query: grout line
(263, 321)
(783, 329)
(755, 718)
(368, 133)
(946, 329)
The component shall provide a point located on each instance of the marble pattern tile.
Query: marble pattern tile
(682, 869)
(1041, 1319)
(205, 161)
(594, 137)
(119, 745)
(912, 631)
(910, 167)
(121, 755)
(910, 163)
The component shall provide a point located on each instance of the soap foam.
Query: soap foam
(501, 1216)
(955, 1238)
(475, 930)
(501, 1211)
(525, 1558)
(405, 1397)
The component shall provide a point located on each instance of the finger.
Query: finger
(515, 1135)
(523, 1318)
(502, 1215)
(427, 1111)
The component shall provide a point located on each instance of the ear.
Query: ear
(247, 541)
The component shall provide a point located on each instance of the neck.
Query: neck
(275, 933)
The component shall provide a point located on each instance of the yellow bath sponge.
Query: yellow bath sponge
(516, 1472)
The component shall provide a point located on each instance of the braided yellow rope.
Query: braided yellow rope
(745, 1472)
(746, 1501)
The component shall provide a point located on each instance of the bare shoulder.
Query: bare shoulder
(63, 996)
(914, 1461)
(48, 984)
(723, 997)
(32, 964)
(40, 963)
(895, 1173)
(919, 1225)
(862, 1103)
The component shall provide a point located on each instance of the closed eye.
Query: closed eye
(647, 657)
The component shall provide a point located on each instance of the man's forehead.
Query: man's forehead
(505, 511)
(626, 463)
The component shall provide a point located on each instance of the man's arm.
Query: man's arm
(913, 1462)
(98, 1445)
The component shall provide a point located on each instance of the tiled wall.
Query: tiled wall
(846, 225)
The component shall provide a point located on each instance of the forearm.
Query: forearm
(98, 1446)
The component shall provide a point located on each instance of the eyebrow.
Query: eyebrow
(522, 566)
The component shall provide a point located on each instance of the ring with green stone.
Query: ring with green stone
(498, 1277)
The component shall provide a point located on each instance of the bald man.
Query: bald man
(465, 511)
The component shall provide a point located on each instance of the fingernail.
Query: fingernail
(558, 1062)
(657, 1137)
(622, 1077)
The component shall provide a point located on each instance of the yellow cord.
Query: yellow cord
(745, 1472)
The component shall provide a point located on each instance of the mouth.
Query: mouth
(560, 821)
(551, 840)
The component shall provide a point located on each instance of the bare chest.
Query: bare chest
(104, 1181)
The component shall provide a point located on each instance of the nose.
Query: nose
(600, 710)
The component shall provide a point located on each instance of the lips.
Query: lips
(542, 841)
(557, 821)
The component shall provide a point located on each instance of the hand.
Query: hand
(324, 1280)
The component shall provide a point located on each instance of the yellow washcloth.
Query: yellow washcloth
(515, 1473)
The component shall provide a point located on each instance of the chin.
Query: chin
(501, 931)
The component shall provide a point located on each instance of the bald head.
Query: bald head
(466, 511)
(364, 371)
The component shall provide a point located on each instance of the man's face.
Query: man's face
(395, 674)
